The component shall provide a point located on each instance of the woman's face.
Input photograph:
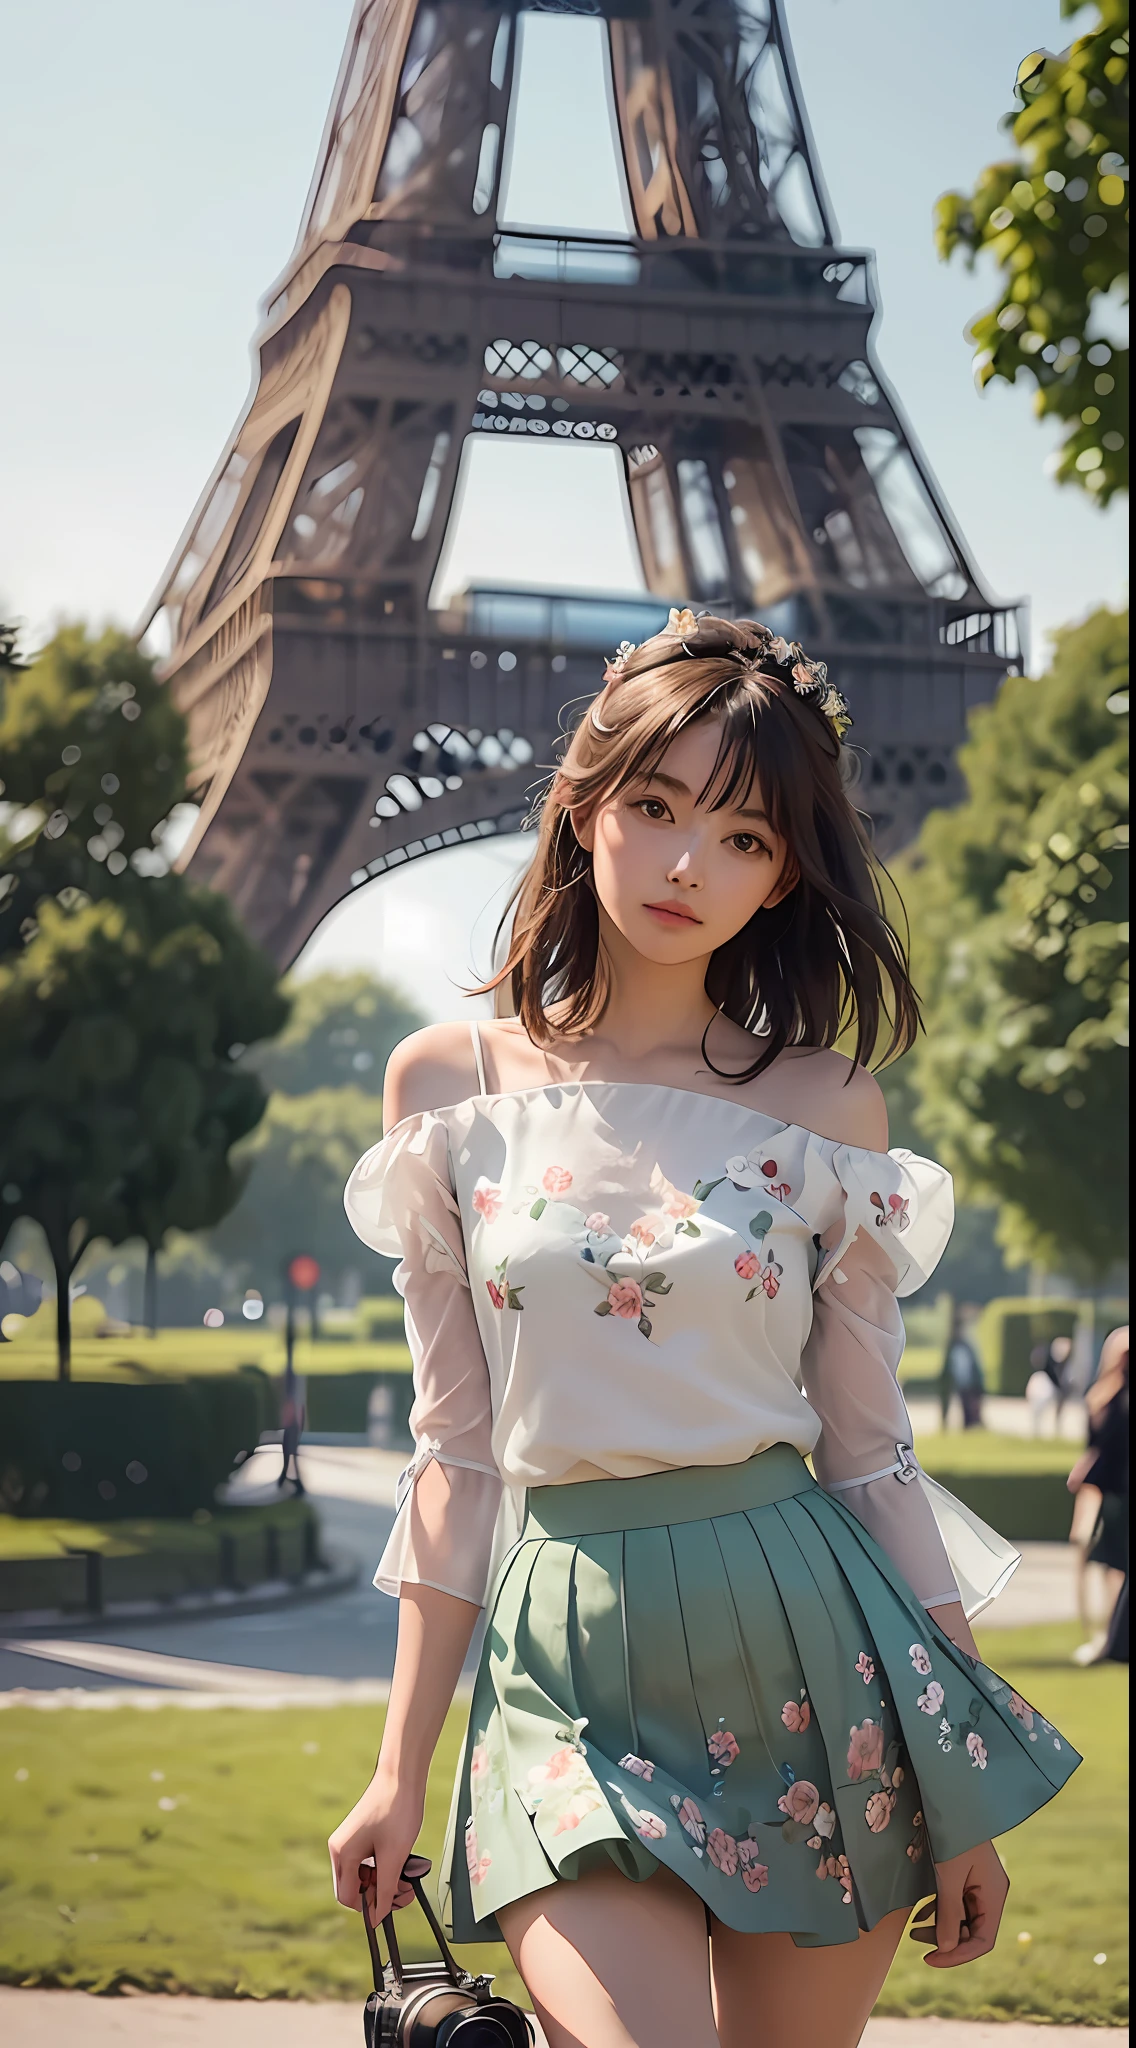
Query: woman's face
(675, 877)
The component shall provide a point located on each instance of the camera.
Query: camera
(432, 2004)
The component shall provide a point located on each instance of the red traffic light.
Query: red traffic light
(304, 1272)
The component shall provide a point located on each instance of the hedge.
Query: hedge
(1025, 1507)
(79, 1570)
(1009, 1329)
(100, 1450)
(374, 1404)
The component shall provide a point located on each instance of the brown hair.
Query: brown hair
(808, 969)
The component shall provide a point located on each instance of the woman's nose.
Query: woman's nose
(683, 872)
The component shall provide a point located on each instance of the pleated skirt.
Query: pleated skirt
(718, 1670)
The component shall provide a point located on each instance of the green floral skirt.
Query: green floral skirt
(717, 1669)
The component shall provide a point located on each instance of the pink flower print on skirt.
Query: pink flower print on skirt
(877, 1812)
(477, 1865)
(690, 1821)
(800, 1802)
(865, 1749)
(723, 1748)
(755, 1873)
(796, 1717)
(639, 1766)
(650, 1827)
(722, 1851)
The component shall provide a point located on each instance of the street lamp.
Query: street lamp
(301, 1274)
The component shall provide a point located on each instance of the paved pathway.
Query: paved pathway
(342, 1647)
(42, 2019)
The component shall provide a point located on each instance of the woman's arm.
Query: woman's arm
(434, 1631)
(400, 1199)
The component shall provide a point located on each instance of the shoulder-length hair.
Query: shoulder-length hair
(823, 962)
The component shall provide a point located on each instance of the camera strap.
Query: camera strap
(414, 1870)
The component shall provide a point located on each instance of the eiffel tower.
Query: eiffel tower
(340, 724)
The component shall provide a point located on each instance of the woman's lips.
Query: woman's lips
(672, 913)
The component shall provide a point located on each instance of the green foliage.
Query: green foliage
(150, 1449)
(10, 659)
(297, 1163)
(1055, 221)
(126, 996)
(1018, 903)
(119, 1092)
(341, 1033)
(94, 755)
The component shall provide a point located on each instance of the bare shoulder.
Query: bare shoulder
(429, 1070)
(826, 1092)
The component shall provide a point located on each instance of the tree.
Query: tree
(94, 755)
(341, 1033)
(297, 1163)
(120, 1096)
(127, 997)
(1018, 903)
(10, 661)
(1055, 220)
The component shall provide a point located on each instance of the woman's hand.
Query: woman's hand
(382, 1825)
(966, 1915)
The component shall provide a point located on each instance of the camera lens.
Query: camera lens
(480, 2030)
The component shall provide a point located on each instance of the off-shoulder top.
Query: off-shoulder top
(604, 1279)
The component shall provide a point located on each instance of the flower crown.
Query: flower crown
(759, 651)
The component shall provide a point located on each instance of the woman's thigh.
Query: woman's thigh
(770, 1994)
(613, 1964)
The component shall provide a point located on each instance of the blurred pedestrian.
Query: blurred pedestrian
(962, 1369)
(1102, 1472)
(1059, 1367)
(1039, 1396)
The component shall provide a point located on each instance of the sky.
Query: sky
(154, 161)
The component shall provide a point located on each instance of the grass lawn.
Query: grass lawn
(984, 1450)
(37, 1536)
(31, 1354)
(176, 1353)
(184, 1851)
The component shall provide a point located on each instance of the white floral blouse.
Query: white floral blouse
(607, 1279)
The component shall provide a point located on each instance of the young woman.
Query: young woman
(729, 1724)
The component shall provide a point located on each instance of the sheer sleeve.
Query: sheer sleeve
(896, 1214)
(400, 1201)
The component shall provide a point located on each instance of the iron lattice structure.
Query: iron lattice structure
(340, 726)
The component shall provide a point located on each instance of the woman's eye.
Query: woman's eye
(652, 807)
(748, 842)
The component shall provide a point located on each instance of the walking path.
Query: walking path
(1043, 1589)
(41, 2019)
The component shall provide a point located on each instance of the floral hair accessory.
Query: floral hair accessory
(810, 680)
(681, 623)
(757, 649)
(614, 668)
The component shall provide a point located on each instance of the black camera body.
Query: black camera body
(433, 2005)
